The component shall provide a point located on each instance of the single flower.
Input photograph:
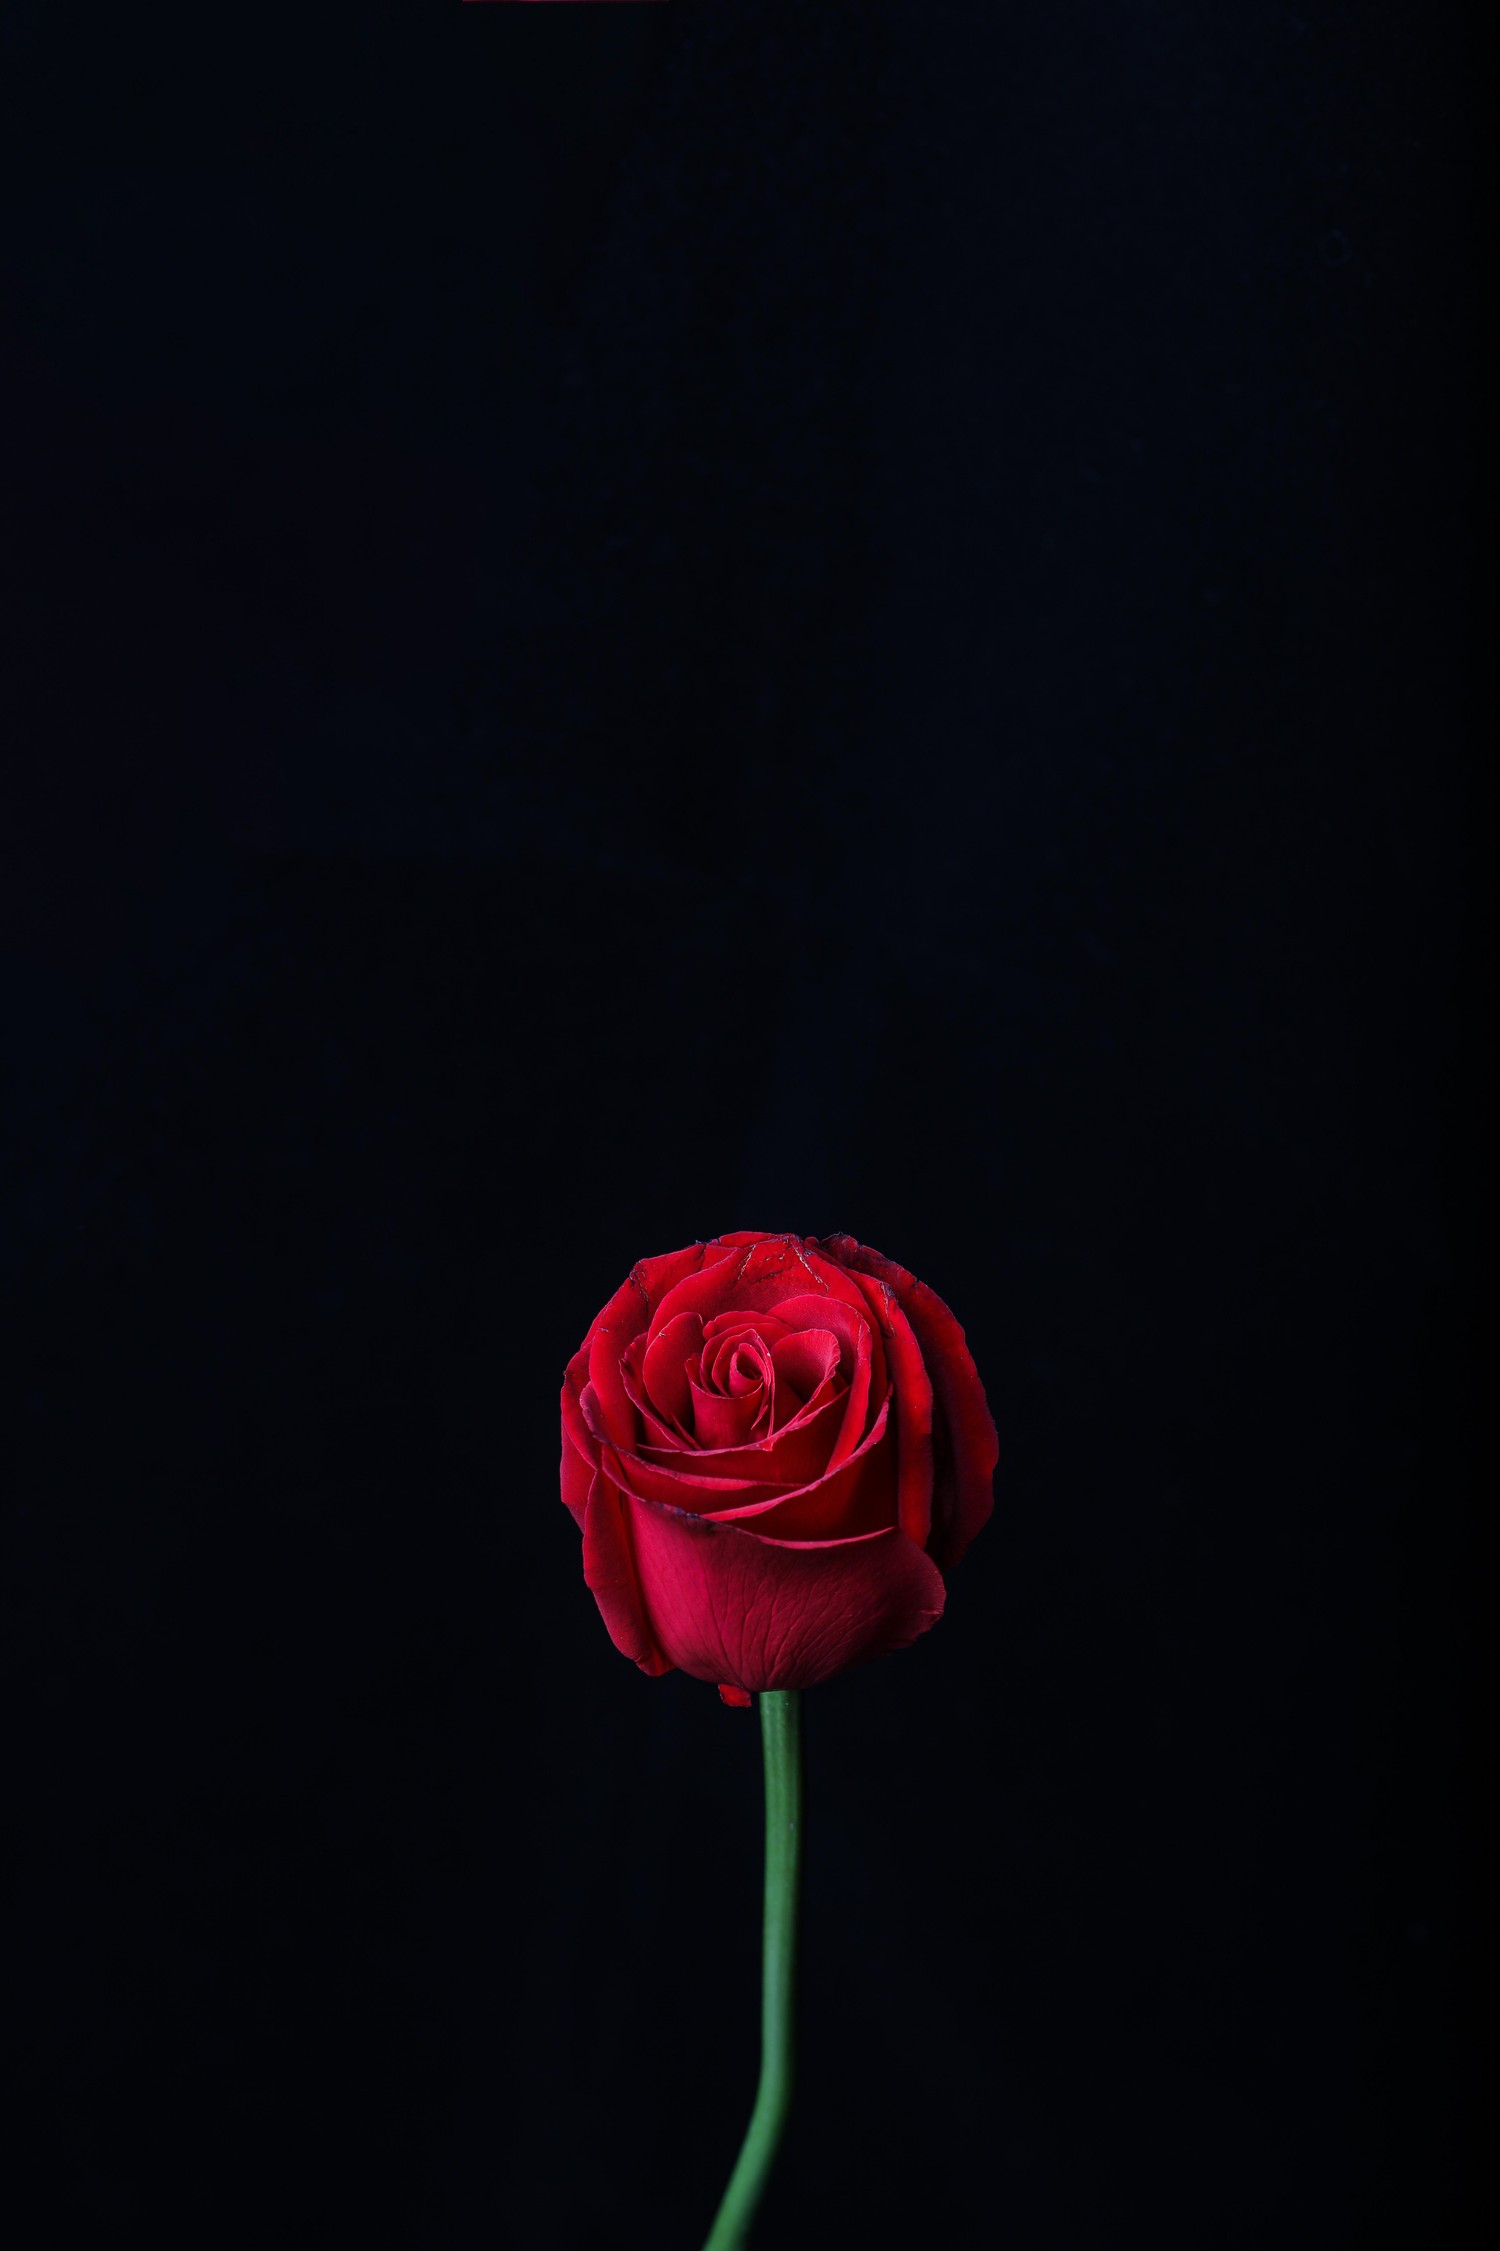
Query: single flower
(775, 1447)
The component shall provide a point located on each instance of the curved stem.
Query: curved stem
(781, 1738)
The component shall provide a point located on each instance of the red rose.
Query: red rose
(774, 1448)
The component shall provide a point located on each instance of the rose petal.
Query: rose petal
(574, 1380)
(765, 1324)
(857, 1401)
(654, 1278)
(663, 1368)
(805, 1358)
(594, 1417)
(858, 1495)
(649, 1280)
(855, 1495)
(747, 1367)
(757, 1277)
(737, 1348)
(834, 1388)
(912, 1387)
(718, 1421)
(577, 1477)
(848, 1319)
(792, 1456)
(658, 1432)
(609, 1568)
(607, 1385)
(676, 1480)
(965, 1444)
(729, 1606)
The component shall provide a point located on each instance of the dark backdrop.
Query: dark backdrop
(629, 626)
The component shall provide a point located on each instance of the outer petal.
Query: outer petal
(635, 1303)
(577, 1477)
(653, 1277)
(728, 1606)
(574, 1380)
(912, 1389)
(610, 1570)
(756, 1278)
(965, 1444)
(605, 1401)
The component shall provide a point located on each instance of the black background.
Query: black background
(846, 617)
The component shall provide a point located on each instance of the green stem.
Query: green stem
(781, 1737)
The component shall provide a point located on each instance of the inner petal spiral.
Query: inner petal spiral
(733, 1390)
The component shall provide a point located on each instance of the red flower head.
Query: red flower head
(774, 1448)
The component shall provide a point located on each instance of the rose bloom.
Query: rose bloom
(774, 1448)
